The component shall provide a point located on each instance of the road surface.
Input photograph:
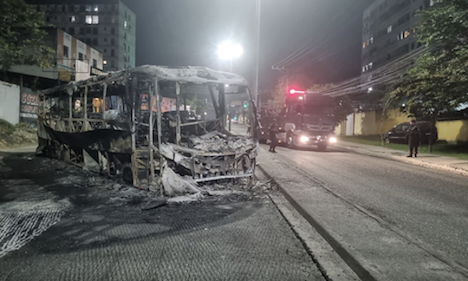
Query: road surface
(428, 208)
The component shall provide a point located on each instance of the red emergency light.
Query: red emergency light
(293, 92)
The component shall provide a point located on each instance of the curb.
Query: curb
(354, 264)
(405, 160)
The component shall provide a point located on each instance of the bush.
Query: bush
(6, 127)
(25, 127)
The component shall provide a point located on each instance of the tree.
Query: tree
(342, 105)
(21, 36)
(439, 80)
(296, 81)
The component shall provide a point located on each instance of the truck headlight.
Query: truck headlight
(333, 140)
(304, 139)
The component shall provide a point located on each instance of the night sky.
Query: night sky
(186, 32)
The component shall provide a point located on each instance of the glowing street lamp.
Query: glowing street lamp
(229, 51)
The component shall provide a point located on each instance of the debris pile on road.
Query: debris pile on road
(218, 142)
(185, 189)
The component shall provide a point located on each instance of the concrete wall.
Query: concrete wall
(9, 102)
(372, 123)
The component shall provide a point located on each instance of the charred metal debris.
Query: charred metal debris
(137, 124)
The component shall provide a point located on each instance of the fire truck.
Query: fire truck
(307, 120)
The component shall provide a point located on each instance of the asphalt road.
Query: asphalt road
(430, 207)
(60, 223)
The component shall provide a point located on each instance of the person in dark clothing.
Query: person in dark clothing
(413, 136)
(273, 129)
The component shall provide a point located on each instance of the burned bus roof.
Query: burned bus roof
(188, 74)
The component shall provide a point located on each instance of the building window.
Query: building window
(112, 63)
(95, 30)
(105, 50)
(95, 41)
(112, 53)
(72, 19)
(104, 62)
(113, 20)
(88, 8)
(112, 41)
(88, 30)
(125, 24)
(113, 30)
(105, 39)
(389, 29)
(65, 52)
(96, 8)
(92, 19)
(77, 8)
(128, 48)
(82, 30)
(94, 63)
(80, 56)
(71, 30)
(88, 41)
(407, 33)
(47, 19)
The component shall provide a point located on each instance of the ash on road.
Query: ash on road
(75, 226)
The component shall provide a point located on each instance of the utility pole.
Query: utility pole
(284, 71)
(256, 97)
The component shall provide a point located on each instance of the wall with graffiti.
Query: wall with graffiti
(29, 105)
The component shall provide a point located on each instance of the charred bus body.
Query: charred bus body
(308, 120)
(136, 124)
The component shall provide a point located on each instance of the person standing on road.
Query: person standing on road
(273, 129)
(413, 136)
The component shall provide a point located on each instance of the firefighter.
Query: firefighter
(273, 129)
(413, 136)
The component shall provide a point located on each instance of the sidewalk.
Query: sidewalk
(438, 162)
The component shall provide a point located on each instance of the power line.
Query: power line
(302, 52)
(385, 74)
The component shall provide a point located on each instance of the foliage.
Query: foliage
(197, 105)
(297, 81)
(6, 127)
(439, 80)
(277, 102)
(342, 105)
(21, 36)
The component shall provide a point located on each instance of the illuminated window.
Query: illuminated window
(389, 29)
(72, 19)
(407, 33)
(95, 19)
(364, 45)
(104, 62)
(96, 8)
(89, 19)
(125, 24)
(371, 40)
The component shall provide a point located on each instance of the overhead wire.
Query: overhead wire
(385, 74)
(302, 52)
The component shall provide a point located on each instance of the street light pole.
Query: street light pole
(256, 96)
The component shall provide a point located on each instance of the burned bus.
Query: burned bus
(308, 120)
(137, 124)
